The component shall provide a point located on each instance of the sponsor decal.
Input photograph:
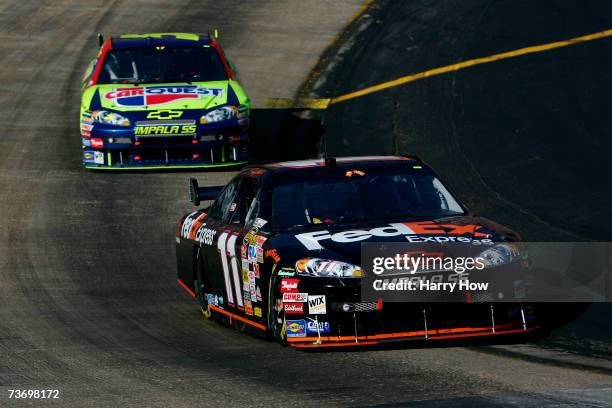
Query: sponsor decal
(98, 158)
(243, 251)
(294, 308)
(286, 272)
(257, 311)
(259, 222)
(86, 129)
(164, 114)
(261, 240)
(156, 130)
(192, 223)
(295, 297)
(256, 270)
(252, 286)
(212, 299)
(97, 143)
(273, 254)
(248, 306)
(258, 294)
(205, 235)
(88, 157)
(316, 327)
(295, 328)
(260, 254)
(251, 238)
(86, 142)
(141, 96)
(413, 231)
(289, 285)
(252, 253)
(220, 300)
(317, 304)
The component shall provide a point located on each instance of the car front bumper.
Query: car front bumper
(112, 148)
(349, 321)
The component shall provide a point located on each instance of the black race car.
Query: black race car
(278, 252)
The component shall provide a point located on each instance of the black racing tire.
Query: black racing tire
(276, 314)
(200, 290)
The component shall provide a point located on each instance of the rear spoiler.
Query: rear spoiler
(197, 193)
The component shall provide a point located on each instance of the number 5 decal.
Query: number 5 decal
(228, 247)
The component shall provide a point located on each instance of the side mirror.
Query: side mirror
(198, 194)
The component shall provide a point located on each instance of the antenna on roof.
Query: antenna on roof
(100, 39)
(215, 34)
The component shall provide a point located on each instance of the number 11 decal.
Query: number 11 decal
(228, 247)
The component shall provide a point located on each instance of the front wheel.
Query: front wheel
(276, 313)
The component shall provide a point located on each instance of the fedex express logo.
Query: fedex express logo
(139, 96)
(424, 231)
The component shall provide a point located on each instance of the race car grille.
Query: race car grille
(355, 307)
(482, 297)
(164, 122)
(162, 141)
(179, 154)
(365, 307)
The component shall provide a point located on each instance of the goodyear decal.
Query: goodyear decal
(140, 96)
(154, 130)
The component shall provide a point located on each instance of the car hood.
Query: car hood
(195, 95)
(343, 242)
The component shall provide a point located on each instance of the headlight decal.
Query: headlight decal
(500, 254)
(110, 118)
(219, 115)
(327, 268)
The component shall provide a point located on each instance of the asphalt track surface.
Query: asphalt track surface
(524, 141)
(88, 297)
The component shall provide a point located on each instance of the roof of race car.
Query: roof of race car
(340, 162)
(159, 39)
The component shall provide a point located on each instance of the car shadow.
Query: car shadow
(529, 337)
(284, 134)
(276, 134)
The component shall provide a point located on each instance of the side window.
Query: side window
(248, 192)
(88, 72)
(253, 211)
(222, 205)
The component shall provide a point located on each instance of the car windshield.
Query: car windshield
(360, 195)
(162, 64)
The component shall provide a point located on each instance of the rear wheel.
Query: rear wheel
(201, 291)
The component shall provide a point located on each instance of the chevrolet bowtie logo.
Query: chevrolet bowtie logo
(164, 114)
